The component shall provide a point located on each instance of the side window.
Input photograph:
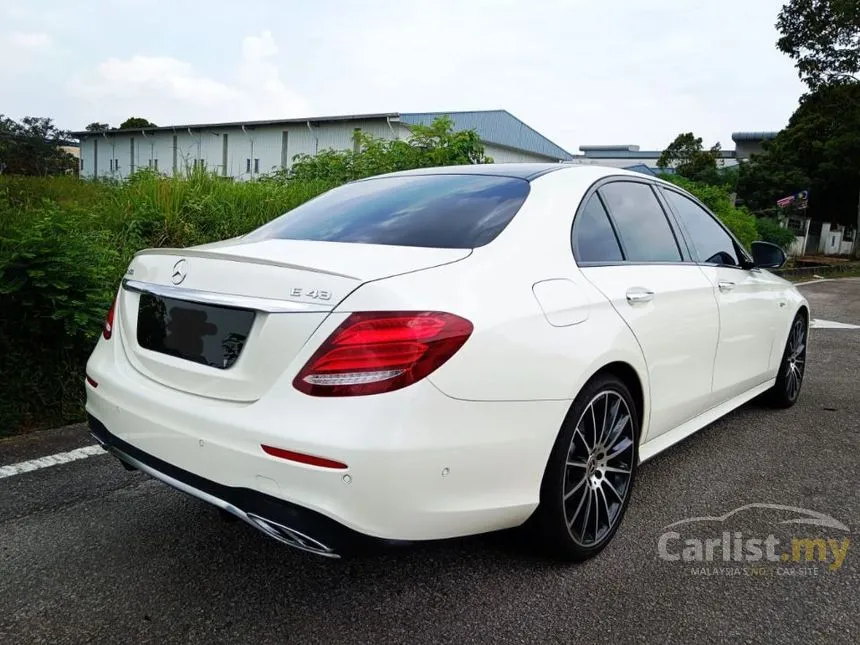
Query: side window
(593, 237)
(641, 223)
(711, 244)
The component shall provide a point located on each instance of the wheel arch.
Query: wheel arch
(630, 377)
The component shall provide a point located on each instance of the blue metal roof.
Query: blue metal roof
(498, 127)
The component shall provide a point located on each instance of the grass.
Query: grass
(804, 274)
(66, 243)
(64, 246)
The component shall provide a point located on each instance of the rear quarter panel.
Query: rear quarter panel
(518, 351)
(794, 302)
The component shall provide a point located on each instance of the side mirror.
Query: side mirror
(767, 255)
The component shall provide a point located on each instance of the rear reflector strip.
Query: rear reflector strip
(301, 458)
(91, 381)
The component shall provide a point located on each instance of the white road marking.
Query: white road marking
(831, 324)
(51, 460)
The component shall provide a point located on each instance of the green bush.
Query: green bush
(65, 244)
(436, 144)
(718, 198)
(769, 230)
(57, 273)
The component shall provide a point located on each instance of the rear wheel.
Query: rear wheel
(590, 473)
(786, 390)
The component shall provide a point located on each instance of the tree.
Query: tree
(136, 122)
(32, 147)
(688, 157)
(95, 126)
(818, 151)
(436, 144)
(823, 37)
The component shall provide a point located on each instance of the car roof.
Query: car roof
(527, 171)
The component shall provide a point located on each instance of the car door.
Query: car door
(748, 301)
(626, 246)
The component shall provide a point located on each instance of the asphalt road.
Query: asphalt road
(91, 553)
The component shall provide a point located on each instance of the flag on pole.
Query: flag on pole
(798, 200)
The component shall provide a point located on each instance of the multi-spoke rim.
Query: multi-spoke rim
(599, 468)
(795, 359)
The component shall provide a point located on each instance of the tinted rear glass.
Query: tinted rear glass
(439, 211)
(593, 237)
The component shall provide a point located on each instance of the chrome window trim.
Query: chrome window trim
(264, 305)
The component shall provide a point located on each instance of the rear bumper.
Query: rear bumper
(291, 524)
(421, 465)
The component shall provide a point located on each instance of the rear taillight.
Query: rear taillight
(108, 329)
(374, 352)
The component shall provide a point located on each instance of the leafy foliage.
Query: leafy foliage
(32, 147)
(688, 157)
(434, 145)
(818, 151)
(717, 198)
(136, 122)
(769, 230)
(740, 221)
(823, 37)
(65, 244)
(95, 126)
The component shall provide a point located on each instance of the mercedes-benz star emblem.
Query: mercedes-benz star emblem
(180, 270)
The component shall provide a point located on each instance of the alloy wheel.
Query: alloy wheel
(599, 469)
(795, 359)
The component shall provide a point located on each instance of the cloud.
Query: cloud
(167, 90)
(23, 50)
(29, 40)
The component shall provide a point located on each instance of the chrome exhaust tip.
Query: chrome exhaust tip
(290, 537)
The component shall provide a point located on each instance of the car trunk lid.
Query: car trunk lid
(224, 320)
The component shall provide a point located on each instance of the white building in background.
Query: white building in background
(244, 150)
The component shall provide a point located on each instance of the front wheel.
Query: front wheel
(590, 473)
(786, 390)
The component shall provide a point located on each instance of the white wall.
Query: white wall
(830, 241)
(796, 248)
(264, 143)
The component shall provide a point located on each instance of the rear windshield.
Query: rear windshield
(439, 211)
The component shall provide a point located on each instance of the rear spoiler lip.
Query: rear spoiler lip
(264, 305)
(214, 255)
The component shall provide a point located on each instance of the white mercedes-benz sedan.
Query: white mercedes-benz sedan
(443, 352)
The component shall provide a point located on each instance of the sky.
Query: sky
(581, 72)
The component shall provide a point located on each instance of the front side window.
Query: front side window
(593, 237)
(711, 243)
(436, 211)
(641, 223)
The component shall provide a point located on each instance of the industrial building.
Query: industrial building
(244, 150)
(632, 158)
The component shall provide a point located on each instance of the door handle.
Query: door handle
(725, 286)
(636, 295)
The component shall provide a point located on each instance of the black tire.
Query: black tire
(792, 366)
(574, 539)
